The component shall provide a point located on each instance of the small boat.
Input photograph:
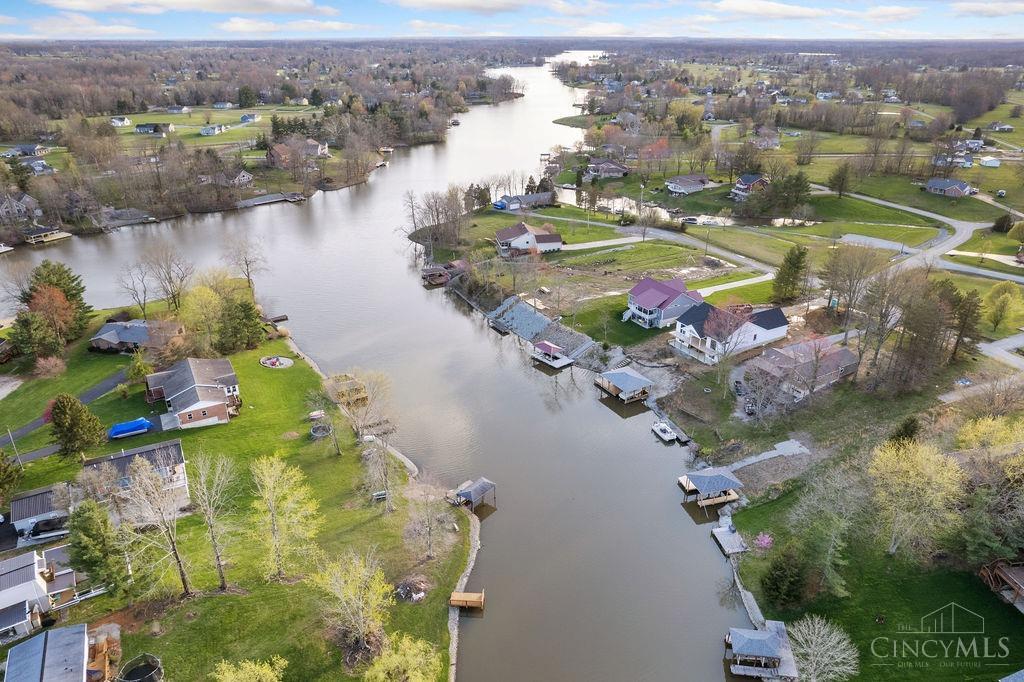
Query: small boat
(664, 432)
(382, 164)
(386, 150)
(4, 248)
(455, 122)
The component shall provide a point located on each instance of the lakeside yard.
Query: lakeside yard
(193, 636)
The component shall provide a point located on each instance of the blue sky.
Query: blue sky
(332, 19)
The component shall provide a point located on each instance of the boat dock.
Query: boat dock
(728, 538)
(293, 197)
(551, 355)
(468, 600)
(43, 235)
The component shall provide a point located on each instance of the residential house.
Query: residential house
(32, 149)
(40, 515)
(730, 331)
(135, 335)
(892, 99)
(212, 129)
(120, 121)
(56, 655)
(223, 105)
(311, 148)
(279, 155)
(825, 95)
(18, 206)
(807, 367)
(602, 168)
(686, 184)
(176, 109)
(525, 201)
(990, 162)
(167, 458)
(196, 392)
(917, 124)
(747, 183)
(521, 239)
(767, 138)
(31, 584)
(38, 166)
(160, 129)
(1000, 127)
(239, 178)
(655, 304)
(250, 118)
(948, 187)
(957, 160)
(970, 145)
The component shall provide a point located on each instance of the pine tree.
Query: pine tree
(93, 548)
(10, 477)
(31, 335)
(790, 275)
(75, 428)
(64, 278)
(839, 180)
(240, 327)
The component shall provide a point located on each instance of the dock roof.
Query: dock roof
(627, 380)
(713, 480)
(758, 643)
(475, 491)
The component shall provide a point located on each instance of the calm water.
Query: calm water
(593, 570)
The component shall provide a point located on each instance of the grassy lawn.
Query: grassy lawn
(262, 619)
(734, 276)
(637, 257)
(900, 190)
(982, 285)
(83, 370)
(987, 263)
(583, 120)
(760, 292)
(987, 241)
(911, 236)
(601, 319)
(831, 207)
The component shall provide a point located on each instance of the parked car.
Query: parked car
(691, 219)
(749, 408)
(1001, 193)
(738, 388)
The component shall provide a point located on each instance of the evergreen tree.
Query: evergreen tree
(1003, 223)
(64, 278)
(790, 275)
(247, 98)
(93, 548)
(316, 97)
(20, 173)
(531, 185)
(75, 428)
(31, 335)
(840, 179)
(240, 327)
(10, 477)
(784, 581)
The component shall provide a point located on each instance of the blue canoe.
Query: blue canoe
(132, 428)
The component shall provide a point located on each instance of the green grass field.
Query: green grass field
(601, 320)
(831, 207)
(583, 120)
(987, 241)
(901, 191)
(761, 292)
(261, 619)
(637, 257)
(982, 285)
(987, 263)
(911, 236)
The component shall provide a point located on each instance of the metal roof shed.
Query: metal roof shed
(476, 492)
(58, 655)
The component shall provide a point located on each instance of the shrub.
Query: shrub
(1003, 223)
(123, 390)
(907, 430)
(49, 367)
(786, 578)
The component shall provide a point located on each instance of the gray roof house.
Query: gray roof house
(167, 457)
(948, 187)
(37, 516)
(806, 367)
(134, 334)
(57, 655)
(686, 184)
(197, 392)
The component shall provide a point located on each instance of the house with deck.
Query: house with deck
(18, 206)
(654, 304)
(31, 584)
(197, 392)
(948, 187)
(521, 239)
(602, 168)
(748, 183)
(708, 334)
(686, 184)
(801, 369)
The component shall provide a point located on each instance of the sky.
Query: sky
(336, 19)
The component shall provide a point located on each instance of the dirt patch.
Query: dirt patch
(132, 619)
(290, 435)
(759, 477)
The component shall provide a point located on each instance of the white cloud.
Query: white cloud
(576, 9)
(604, 28)
(4, 19)
(883, 13)
(263, 26)
(436, 28)
(765, 9)
(475, 6)
(74, 25)
(222, 6)
(988, 9)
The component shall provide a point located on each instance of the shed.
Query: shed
(473, 493)
(626, 384)
(713, 485)
(58, 655)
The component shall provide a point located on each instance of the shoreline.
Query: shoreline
(474, 526)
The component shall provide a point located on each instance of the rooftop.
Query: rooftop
(57, 655)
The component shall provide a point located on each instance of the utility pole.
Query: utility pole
(14, 445)
(707, 238)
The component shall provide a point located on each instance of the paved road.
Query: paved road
(87, 396)
(605, 242)
(1002, 350)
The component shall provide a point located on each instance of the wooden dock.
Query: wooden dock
(467, 600)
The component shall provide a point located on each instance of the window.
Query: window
(204, 413)
(189, 416)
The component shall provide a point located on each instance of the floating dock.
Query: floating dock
(467, 600)
(551, 355)
(728, 538)
(43, 235)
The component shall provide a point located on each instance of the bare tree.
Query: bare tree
(381, 471)
(429, 516)
(847, 273)
(135, 280)
(722, 332)
(245, 254)
(823, 651)
(170, 269)
(16, 278)
(764, 390)
(286, 512)
(151, 518)
(214, 490)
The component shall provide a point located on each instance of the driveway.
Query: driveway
(87, 396)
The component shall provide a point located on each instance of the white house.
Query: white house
(686, 184)
(167, 458)
(990, 162)
(120, 121)
(31, 584)
(522, 239)
(707, 334)
(223, 105)
(175, 109)
(18, 206)
(213, 129)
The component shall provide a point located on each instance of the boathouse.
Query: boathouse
(714, 485)
(764, 653)
(550, 354)
(626, 384)
(474, 493)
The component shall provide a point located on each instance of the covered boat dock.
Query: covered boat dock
(551, 355)
(474, 493)
(714, 485)
(626, 384)
(766, 653)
